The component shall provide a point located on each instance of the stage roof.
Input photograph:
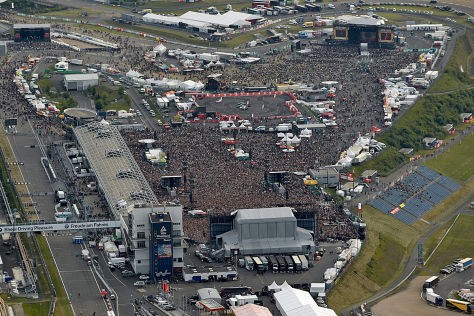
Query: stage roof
(360, 20)
(259, 215)
(31, 26)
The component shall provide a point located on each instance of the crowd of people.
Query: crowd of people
(212, 178)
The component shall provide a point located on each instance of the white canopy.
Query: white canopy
(274, 287)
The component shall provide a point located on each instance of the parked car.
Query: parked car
(144, 277)
(128, 273)
(139, 284)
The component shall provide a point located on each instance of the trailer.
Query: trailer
(289, 264)
(304, 262)
(248, 263)
(273, 263)
(281, 264)
(258, 264)
(264, 262)
(464, 264)
(433, 298)
(296, 263)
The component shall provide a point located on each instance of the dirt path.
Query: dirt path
(409, 303)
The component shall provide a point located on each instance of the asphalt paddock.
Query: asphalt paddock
(259, 106)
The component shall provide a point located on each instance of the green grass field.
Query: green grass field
(36, 309)
(457, 244)
(381, 260)
(456, 73)
(457, 162)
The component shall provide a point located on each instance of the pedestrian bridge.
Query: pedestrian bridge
(41, 226)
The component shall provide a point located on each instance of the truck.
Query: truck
(462, 306)
(464, 264)
(117, 260)
(264, 262)
(431, 282)
(85, 254)
(273, 264)
(289, 264)
(296, 263)
(122, 250)
(304, 262)
(59, 195)
(433, 298)
(111, 249)
(248, 263)
(258, 264)
(281, 264)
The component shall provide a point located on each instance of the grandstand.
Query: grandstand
(415, 195)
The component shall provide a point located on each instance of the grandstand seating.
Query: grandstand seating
(395, 196)
(381, 205)
(418, 192)
(417, 207)
(405, 217)
(435, 193)
(448, 183)
(427, 172)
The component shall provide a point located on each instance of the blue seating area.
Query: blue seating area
(448, 183)
(427, 172)
(415, 182)
(395, 196)
(419, 192)
(381, 205)
(405, 217)
(417, 207)
(435, 193)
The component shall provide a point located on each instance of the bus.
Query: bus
(431, 282)
(77, 240)
(460, 306)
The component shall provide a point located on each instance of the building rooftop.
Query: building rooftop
(80, 113)
(117, 172)
(159, 217)
(261, 214)
(72, 77)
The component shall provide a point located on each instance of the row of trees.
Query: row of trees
(427, 118)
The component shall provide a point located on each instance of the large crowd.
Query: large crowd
(212, 178)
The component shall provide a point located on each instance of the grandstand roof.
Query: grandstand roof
(31, 26)
(117, 172)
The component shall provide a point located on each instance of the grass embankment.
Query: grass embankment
(389, 241)
(456, 73)
(460, 157)
(457, 243)
(383, 257)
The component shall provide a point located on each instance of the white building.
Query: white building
(266, 231)
(80, 82)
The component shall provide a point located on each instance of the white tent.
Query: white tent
(160, 49)
(274, 287)
(294, 302)
(133, 74)
(285, 286)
